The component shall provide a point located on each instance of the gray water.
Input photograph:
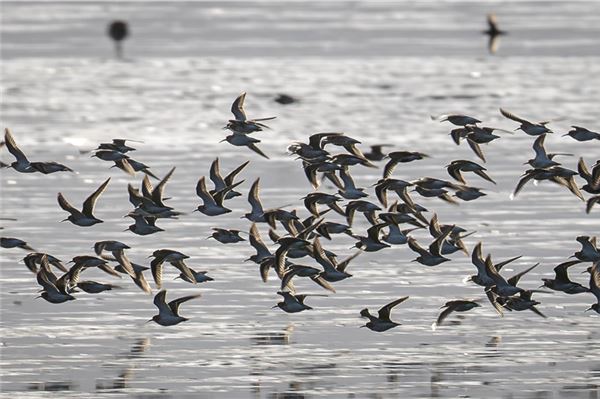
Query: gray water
(376, 72)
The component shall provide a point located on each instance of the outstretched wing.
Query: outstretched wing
(237, 108)
(384, 312)
(90, 202)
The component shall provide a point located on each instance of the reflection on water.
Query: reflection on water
(273, 338)
(53, 386)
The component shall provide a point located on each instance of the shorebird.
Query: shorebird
(347, 142)
(561, 282)
(118, 31)
(241, 124)
(94, 287)
(589, 252)
(493, 32)
(502, 287)
(456, 167)
(376, 154)
(454, 306)
(350, 191)
(433, 256)
(175, 258)
(225, 236)
(168, 314)
(117, 145)
(326, 229)
(582, 134)
(199, 277)
(592, 178)
(9, 242)
(457, 119)
(382, 322)
(57, 290)
(469, 193)
(257, 243)
(388, 184)
(130, 166)
(221, 182)
(292, 303)
(84, 217)
(591, 202)
(243, 140)
(555, 174)
(400, 157)
(530, 128)
(542, 159)
(520, 302)
(143, 226)
(117, 249)
(595, 286)
(213, 204)
(372, 242)
(35, 258)
(23, 165)
(365, 207)
(332, 271)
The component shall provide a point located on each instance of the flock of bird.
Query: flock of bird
(330, 156)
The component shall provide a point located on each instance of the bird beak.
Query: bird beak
(273, 307)
(149, 321)
(517, 129)
(585, 310)
(64, 220)
(565, 135)
(222, 140)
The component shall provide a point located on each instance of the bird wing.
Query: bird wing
(384, 312)
(323, 283)
(183, 268)
(237, 108)
(562, 272)
(591, 202)
(492, 23)
(344, 264)
(412, 244)
(229, 178)
(215, 175)
(454, 171)
(257, 242)
(156, 267)
(141, 282)
(449, 309)
(389, 167)
(219, 196)
(514, 117)
(257, 150)
(161, 303)
(476, 149)
(157, 192)
(174, 304)
(477, 259)
(595, 280)
(90, 202)
(12, 147)
(514, 280)
(321, 257)
(528, 176)
(538, 146)
(500, 265)
(253, 198)
(203, 193)
(147, 187)
(64, 204)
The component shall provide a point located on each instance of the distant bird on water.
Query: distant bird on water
(118, 31)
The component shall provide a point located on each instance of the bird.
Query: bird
(94, 287)
(561, 282)
(454, 306)
(35, 258)
(376, 153)
(22, 164)
(493, 32)
(199, 277)
(241, 124)
(400, 157)
(591, 202)
(144, 225)
(221, 182)
(582, 134)
(382, 322)
(118, 31)
(456, 167)
(432, 256)
(175, 258)
(243, 140)
(225, 236)
(117, 249)
(292, 303)
(10, 242)
(530, 128)
(542, 159)
(595, 286)
(589, 252)
(457, 119)
(213, 204)
(168, 314)
(592, 178)
(84, 217)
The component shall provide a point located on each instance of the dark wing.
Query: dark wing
(157, 193)
(161, 303)
(229, 178)
(595, 280)
(444, 314)
(257, 150)
(476, 149)
(174, 304)
(90, 202)
(253, 198)
(591, 202)
(389, 168)
(384, 312)
(203, 193)
(514, 117)
(514, 280)
(561, 270)
(237, 108)
(344, 264)
(12, 147)
(64, 204)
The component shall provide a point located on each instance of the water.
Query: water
(63, 94)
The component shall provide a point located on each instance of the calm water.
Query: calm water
(62, 93)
